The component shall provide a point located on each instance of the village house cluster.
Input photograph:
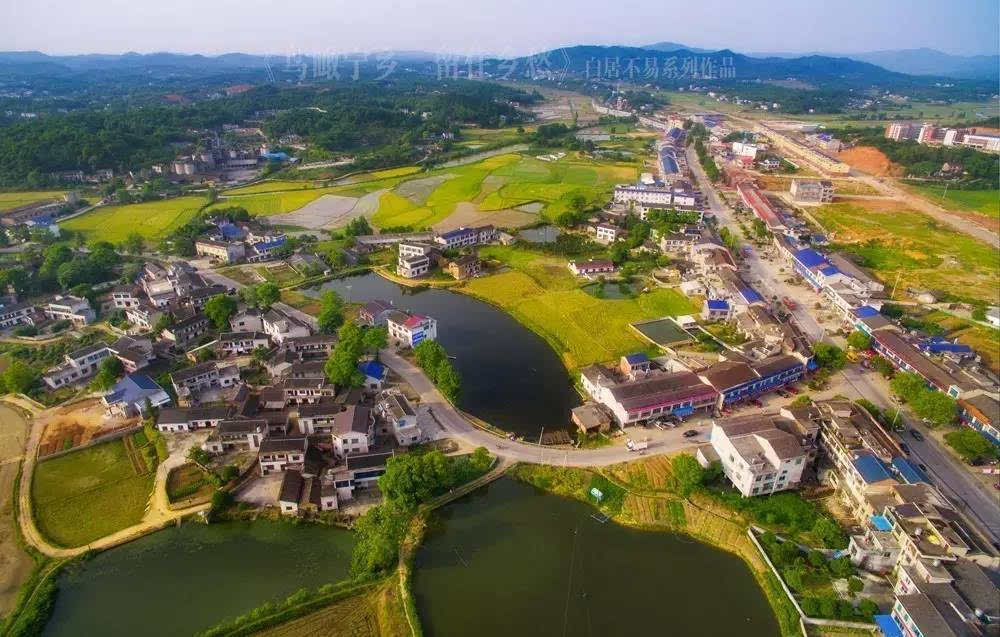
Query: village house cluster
(419, 253)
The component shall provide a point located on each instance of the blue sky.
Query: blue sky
(497, 27)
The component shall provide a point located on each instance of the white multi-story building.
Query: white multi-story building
(353, 431)
(410, 267)
(411, 329)
(70, 308)
(761, 454)
(642, 194)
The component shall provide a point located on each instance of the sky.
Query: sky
(497, 27)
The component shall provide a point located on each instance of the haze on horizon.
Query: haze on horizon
(513, 27)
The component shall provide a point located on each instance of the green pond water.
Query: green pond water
(509, 560)
(182, 580)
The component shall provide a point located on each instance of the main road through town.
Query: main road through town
(973, 497)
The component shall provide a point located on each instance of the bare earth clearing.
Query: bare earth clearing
(317, 214)
(468, 214)
(869, 160)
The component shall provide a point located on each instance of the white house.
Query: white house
(757, 456)
(411, 329)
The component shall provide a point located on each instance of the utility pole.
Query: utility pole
(893, 295)
(540, 449)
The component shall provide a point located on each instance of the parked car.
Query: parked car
(756, 402)
(919, 437)
(690, 433)
(922, 466)
(792, 390)
(905, 447)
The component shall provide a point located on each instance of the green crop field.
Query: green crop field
(276, 185)
(543, 294)
(891, 239)
(10, 200)
(153, 220)
(84, 495)
(985, 202)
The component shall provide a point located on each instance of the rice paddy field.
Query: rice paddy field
(153, 219)
(541, 292)
(10, 200)
(508, 190)
(891, 239)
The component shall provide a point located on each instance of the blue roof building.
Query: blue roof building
(717, 304)
(374, 372)
(128, 397)
(939, 345)
(750, 296)
(809, 258)
(871, 469)
(865, 311)
(907, 472)
(633, 359)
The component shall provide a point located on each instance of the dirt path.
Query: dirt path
(15, 564)
(157, 516)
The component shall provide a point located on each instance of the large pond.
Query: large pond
(511, 560)
(511, 378)
(185, 579)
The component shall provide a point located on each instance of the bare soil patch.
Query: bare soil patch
(319, 213)
(76, 424)
(468, 214)
(870, 160)
(418, 190)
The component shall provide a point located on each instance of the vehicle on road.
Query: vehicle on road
(690, 433)
(922, 466)
(636, 446)
(919, 437)
(790, 304)
(905, 447)
(792, 390)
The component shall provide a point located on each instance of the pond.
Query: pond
(511, 378)
(512, 560)
(185, 579)
(611, 290)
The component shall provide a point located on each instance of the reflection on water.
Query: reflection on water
(511, 378)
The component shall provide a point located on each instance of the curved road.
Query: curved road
(459, 427)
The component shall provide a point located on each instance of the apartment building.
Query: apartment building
(353, 431)
(761, 454)
(222, 251)
(810, 191)
(189, 382)
(647, 397)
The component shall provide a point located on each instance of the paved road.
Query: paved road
(968, 493)
(457, 426)
(972, 496)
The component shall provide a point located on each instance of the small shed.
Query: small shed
(590, 418)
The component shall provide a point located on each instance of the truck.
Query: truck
(634, 445)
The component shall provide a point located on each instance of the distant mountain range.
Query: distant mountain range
(581, 61)
(922, 61)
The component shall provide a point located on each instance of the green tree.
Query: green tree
(218, 309)
(411, 479)
(908, 386)
(331, 315)
(686, 474)
(19, 378)
(829, 356)
(936, 407)
(867, 609)
(133, 243)
(859, 340)
(107, 373)
(342, 366)
(970, 444)
(267, 295)
(448, 380)
(378, 534)
(375, 339)
(882, 366)
(841, 567)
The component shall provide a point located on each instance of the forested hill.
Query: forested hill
(362, 117)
